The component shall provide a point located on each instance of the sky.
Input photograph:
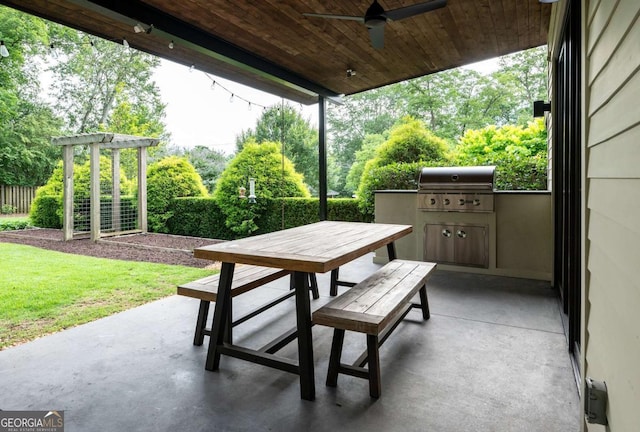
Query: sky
(198, 113)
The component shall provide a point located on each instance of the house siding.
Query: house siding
(611, 30)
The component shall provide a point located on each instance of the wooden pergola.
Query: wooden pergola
(97, 142)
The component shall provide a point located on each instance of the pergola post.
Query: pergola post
(115, 189)
(67, 191)
(95, 190)
(142, 189)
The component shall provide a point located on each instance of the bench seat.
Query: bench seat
(375, 307)
(245, 278)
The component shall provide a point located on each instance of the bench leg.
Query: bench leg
(373, 358)
(313, 281)
(201, 323)
(334, 359)
(424, 303)
(333, 288)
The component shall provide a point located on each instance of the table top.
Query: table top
(315, 248)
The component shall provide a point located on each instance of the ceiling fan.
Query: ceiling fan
(376, 17)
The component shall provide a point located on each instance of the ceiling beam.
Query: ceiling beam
(133, 11)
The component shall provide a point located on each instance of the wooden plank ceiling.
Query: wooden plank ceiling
(271, 45)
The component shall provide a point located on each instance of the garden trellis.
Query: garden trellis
(94, 217)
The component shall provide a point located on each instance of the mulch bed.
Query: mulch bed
(149, 247)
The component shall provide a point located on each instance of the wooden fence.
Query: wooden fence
(18, 197)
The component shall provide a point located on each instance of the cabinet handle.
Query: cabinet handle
(446, 233)
(461, 234)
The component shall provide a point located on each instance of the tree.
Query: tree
(274, 178)
(371, 112)
(26, 123)
(284, 124)
(103, 86)
(209, 163)
(370, 144)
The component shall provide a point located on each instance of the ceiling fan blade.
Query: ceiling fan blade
(376, 34)
(416, 9)
(340, 17)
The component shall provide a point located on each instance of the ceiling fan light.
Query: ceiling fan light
(376, 22)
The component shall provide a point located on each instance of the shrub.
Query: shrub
(410, 146)
(273, 179)
(13, 225)
(519, 154)
(8, 209)
(46, 211)
(167, 179)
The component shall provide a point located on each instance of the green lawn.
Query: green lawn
(44, 291)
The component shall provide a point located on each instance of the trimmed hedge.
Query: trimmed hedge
(202, 217)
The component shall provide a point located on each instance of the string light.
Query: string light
(233, 96)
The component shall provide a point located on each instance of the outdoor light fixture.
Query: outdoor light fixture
(4, 52)
(540, 107)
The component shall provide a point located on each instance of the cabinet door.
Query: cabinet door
(471, 245)
(439, 243)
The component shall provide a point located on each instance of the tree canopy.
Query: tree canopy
(284, 124)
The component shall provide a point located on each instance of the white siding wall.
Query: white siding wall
(612, 199)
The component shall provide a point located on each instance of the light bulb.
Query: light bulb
(125, 43)
(171, 45)
(138, 28)
(4, 52)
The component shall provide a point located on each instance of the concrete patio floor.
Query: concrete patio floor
(493, 357)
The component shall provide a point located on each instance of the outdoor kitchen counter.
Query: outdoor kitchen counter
(520, 231)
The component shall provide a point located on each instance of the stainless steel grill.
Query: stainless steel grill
(459, 189)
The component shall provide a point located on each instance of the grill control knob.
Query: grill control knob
(461, 234)
(432, 201)
(461, 201)
(446, 201)
(476, 202)
(446, 233)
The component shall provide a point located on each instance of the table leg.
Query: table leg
(305, 342)
(391, 251)
(220, 316)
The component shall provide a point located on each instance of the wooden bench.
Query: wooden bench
(374, 306)
(245, 278)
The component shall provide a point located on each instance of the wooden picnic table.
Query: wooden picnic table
(315, 248)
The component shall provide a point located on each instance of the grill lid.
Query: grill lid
(457, 178)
